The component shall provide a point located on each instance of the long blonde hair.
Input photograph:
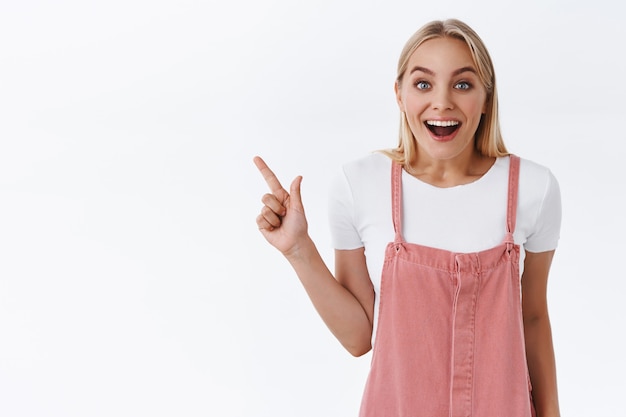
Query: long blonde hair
(488, 139)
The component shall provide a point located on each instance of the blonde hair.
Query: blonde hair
(488, 138)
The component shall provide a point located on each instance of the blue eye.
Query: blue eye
(422, 85)
(463, 85)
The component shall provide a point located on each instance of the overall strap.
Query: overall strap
(396, 200)
(511, 212)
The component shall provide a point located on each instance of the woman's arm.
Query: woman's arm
(345, 304)
(351, 272)
(539, 348)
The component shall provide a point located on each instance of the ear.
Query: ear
(397, 90)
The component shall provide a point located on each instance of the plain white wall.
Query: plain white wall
(133, 281)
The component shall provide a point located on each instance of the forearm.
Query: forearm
(339, 308)
(541, 366)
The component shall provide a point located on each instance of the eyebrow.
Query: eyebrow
(455, 73)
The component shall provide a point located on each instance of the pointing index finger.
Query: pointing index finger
(269, 176)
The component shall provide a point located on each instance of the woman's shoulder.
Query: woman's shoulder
(538, 185)
(539, 206)
(368, 165)
(535, 173)
(535, 179)
(533, 167)
(364, 175)
(530, 171)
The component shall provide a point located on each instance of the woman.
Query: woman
(442, 248)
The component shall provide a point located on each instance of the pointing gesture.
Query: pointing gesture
(282, 221)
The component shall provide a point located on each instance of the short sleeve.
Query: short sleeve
(341, 215)
(546, 232)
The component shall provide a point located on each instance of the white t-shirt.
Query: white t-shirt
(465, 218)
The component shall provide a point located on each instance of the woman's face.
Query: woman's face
(443, 99)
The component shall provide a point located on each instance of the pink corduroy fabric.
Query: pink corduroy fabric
(450, 336)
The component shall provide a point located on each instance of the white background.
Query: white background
(133, 280)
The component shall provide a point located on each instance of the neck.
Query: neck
(445, 173)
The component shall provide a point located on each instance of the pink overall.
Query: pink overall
(450, 336)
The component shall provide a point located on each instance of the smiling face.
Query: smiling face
(443, 99)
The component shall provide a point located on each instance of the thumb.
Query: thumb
(295, 198)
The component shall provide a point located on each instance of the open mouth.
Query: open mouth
(442, 128)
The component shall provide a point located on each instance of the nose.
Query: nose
(442, 100)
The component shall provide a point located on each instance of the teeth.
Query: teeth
(442, 123)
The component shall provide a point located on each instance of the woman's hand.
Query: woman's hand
(282, 221)
(284, 225)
